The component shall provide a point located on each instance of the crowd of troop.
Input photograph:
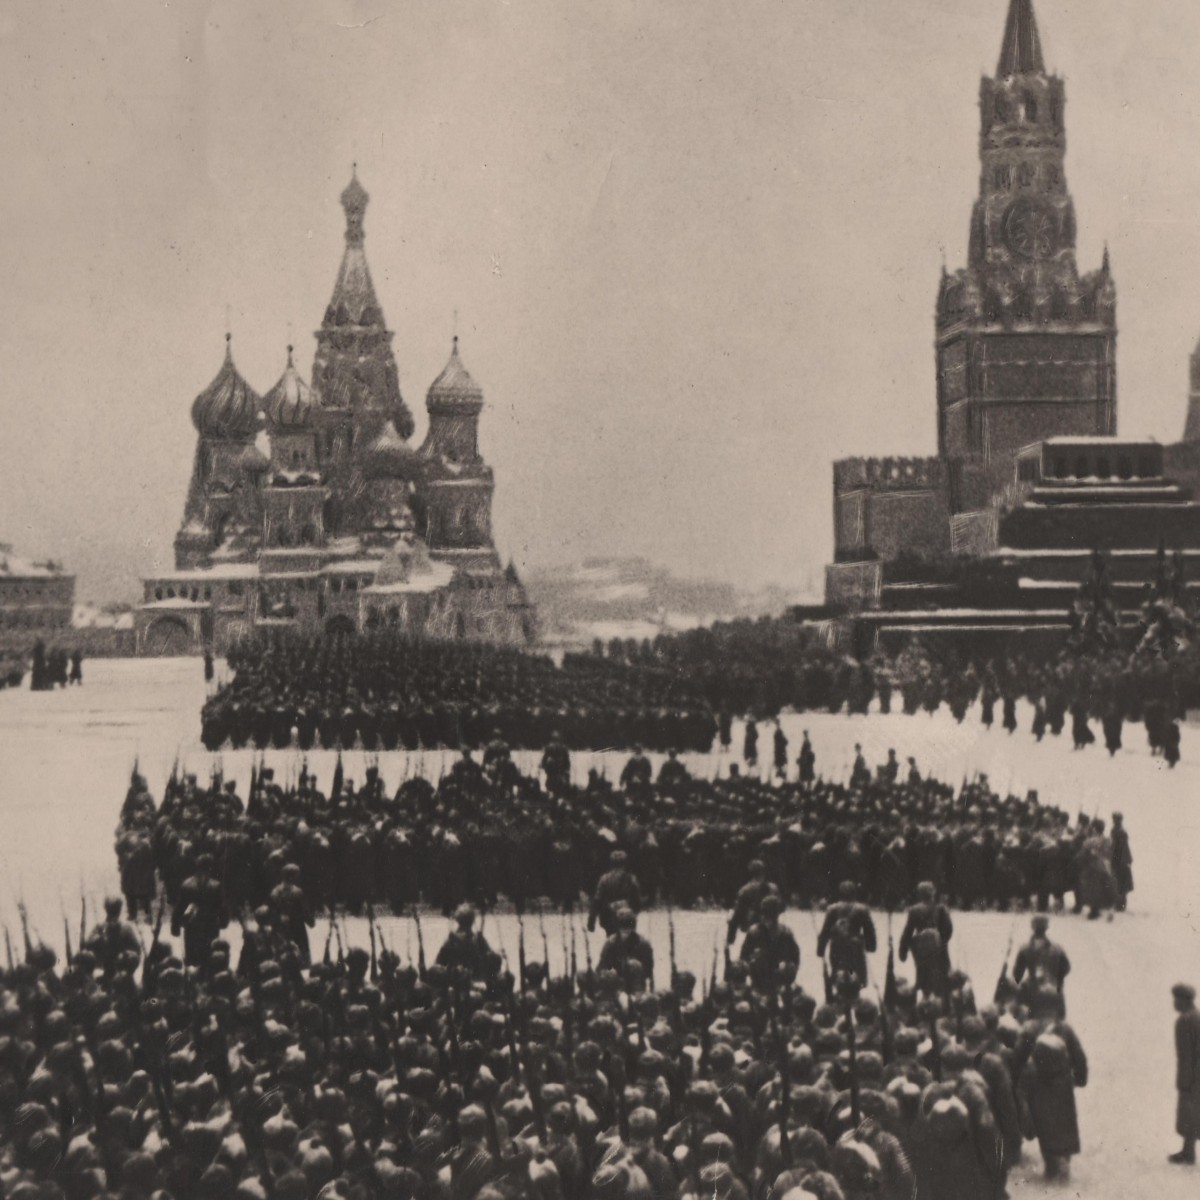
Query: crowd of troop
(384, 691)
(681, 691)
(252, 1068)
(485, 832)
(51, 668)
(12, 669)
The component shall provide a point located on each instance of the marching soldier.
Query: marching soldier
(637, 771)
(618, 887)
(750, 743)
(199, 913)
(466, 949)
(860, 775)
(807, 762)
(628, 953)
(848, 933)
(781, 751)
(769, 950)
(1122, 860)
(749, 901)
(1043, 961)
(927, 934)
(1058, 1066)
(1187, 1072)
(556, 763)
(113, 937)
(293, 915)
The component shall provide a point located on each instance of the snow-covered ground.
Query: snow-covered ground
(65, 759)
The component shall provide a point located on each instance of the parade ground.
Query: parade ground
(66, 756)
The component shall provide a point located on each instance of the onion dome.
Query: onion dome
(228, 408)
(389, 456)
(454, 387)
(289, 403)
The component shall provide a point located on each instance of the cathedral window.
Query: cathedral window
(158, 593)
(1001, 109)
(1103, 470)
(1002, 177)
(1081, 467)
(1031, 107)
(1125, 467)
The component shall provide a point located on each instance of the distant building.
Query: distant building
(994, 533)
(309, 508)
(36, 600)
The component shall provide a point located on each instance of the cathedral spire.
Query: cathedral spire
(1021, 52)
(354, 301)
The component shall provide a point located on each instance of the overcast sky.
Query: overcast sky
(694, 247)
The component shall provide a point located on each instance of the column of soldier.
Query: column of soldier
(382, 691)
(274, 1073)
(485, 832)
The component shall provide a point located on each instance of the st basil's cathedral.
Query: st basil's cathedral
(309, 507)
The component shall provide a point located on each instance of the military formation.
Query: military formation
(258, 1067)
(382, 691)
(485, 833)
(681, 691)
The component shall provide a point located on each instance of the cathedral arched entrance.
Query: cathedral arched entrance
(169, 636)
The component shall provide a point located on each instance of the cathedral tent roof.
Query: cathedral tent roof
(455, 382)
(354, 301)
(1021, 53)
(288, 404)
(229, 407)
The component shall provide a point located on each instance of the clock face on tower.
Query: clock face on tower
(1031, 230)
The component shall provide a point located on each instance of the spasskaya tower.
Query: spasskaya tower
(1026, 346)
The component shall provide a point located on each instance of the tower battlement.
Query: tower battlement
(890, 474)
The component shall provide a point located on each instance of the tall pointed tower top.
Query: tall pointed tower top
(354, 201)
(354, 301)
(1021, 53)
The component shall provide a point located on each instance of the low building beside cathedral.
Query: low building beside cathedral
(992, 536)
(37, 600)
(310, 508)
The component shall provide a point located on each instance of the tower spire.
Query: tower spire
(1021, 51)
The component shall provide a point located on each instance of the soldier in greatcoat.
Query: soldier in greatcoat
(1187, 1072)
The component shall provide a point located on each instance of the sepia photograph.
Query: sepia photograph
(585, 611)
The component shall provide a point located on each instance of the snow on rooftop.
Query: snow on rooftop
(1099, 440)
(437, 577)
(23, 568)
(354, 566)
(177, 603)
(239, 570)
